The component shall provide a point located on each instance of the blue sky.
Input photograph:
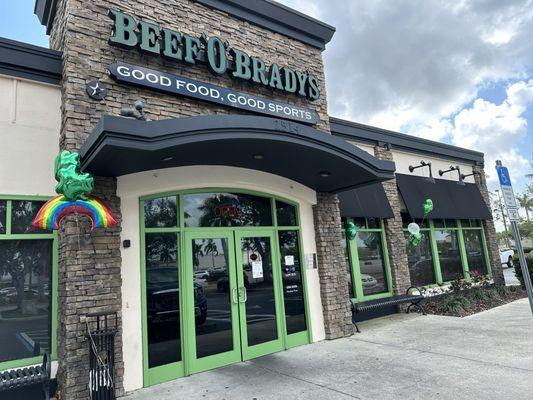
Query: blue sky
(462, 71)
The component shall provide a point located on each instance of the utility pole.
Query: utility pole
(514, 217)
(500, 203)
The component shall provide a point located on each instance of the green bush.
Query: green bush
(518, 270)
(456, 304)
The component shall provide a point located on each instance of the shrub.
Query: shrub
(518, 270)
(459, 284)
(478, 294)
(456, 304)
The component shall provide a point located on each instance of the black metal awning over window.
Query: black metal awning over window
(450, 199)
(366, 201)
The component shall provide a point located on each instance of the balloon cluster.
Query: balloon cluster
(74, 196)
(351, 230)
(414, 229)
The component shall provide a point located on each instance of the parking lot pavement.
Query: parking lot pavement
(484, 356)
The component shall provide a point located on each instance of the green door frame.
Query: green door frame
(195, 364)
(152, 376)
(249, 352)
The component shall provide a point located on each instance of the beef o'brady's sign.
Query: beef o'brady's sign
(221, 59)
(174, 84)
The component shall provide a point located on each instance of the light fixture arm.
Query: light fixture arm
(130, 112)
(422, 164)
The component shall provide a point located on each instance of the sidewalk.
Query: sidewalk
(485, 356)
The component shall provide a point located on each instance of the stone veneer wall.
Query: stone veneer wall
(401, 279)
(488, 227)
(332, 267)
(90, 272)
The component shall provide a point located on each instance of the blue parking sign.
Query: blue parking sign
(503, 176)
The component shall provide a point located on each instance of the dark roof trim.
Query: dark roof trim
(119, 146)
(30, 62)
(277, 18)
(46, 12)
(370, 134)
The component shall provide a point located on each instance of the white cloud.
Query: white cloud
(417, 66)
(496, 129)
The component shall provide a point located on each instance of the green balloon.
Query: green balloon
(414, 240)
(72, 183)
(428, 206)
(351, 230)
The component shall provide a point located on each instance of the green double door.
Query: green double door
(234, 295)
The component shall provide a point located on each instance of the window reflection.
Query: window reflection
(162, 299)
(226, 209)
(449, 255)
(161, 212)
(371, 263)
(420, 261)
(25, 298)
(22, 214)
(474, 251)
(3, 207)
(286, 214)
(291, 270)
(212, 291)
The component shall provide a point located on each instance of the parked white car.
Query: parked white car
(506, 257)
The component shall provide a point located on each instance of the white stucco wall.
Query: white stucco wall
(131, 187)
(30, 121)
(403, 159)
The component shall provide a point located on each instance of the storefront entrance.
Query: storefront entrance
(223, 281)
(241, 285)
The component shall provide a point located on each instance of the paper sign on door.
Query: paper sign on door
(289, 260)
(257, 269)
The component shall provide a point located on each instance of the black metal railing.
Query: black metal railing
(101, 331)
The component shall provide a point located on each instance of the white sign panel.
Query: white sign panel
(289, 260)
(513, 214)
(508, 197)
(257, 269)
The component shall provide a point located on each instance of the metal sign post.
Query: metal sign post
(514, 217)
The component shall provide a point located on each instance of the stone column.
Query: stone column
(332, 267)
(89, 281)
(401, 279)
(488, 227)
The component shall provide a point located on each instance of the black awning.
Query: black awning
(450, 199)
(120, 146)
(366, 201)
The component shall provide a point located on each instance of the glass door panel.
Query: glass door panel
(259, 294)
(212, 307)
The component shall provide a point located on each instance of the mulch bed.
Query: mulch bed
(439, 304)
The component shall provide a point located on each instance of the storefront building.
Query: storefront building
(231, 185)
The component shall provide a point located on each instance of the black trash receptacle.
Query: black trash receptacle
(101, 331)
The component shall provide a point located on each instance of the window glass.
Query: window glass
(449, 256)
(286, 214)
(438, 223)
(291, 271)
(25, 298)
(347, 258)
(22, 214)
(371, 263)
(373, 223)
(474, 251)
(360, 223)
(3, 207)
(475, 223)
(161, 212)
(226, 209)
(406, 219)
(465, 223)
(450, 223)
(420, 261)
(162, 299)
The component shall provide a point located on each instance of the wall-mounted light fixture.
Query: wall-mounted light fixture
(423, 164)
(451, 169)
(130, 112)
(463, 176)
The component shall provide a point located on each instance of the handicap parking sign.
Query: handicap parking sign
(503, 176)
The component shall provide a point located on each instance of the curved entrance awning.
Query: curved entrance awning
(120, 146)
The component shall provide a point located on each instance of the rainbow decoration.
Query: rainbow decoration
(55, 209)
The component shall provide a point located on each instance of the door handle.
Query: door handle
(234, 295)
(245, 294)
